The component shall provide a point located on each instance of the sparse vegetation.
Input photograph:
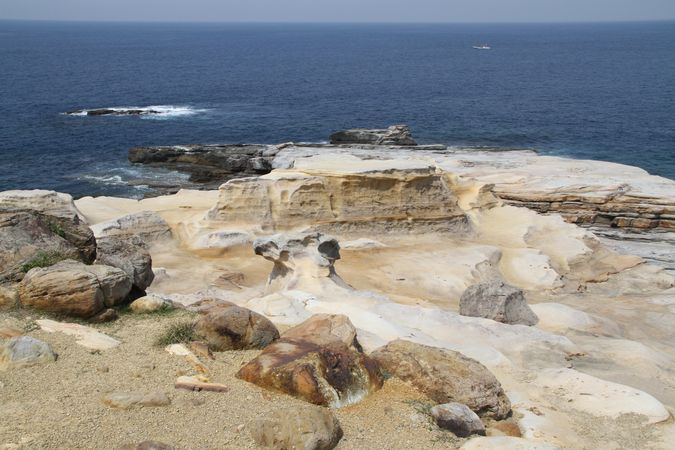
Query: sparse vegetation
(43, 259)
(56, 228)
(176, 333)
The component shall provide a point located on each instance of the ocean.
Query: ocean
(593, 91)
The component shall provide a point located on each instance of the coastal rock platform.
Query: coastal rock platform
(364, 247)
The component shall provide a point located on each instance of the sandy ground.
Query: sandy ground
(58, 405)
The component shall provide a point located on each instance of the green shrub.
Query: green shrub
(43, 259)
(177, 333)
(56, 228)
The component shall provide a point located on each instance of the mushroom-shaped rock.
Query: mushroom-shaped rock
(300, 260)
(231, 327)
(128, 255)
(498, 301)
(22, 351)
(445, 376)
(314, 363)
(75, 289)
(304, 427)
(29, 238)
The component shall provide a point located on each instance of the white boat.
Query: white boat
(482, 47)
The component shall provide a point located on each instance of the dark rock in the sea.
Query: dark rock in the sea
(112, 112)
(30, 239)
(213, 163)
(497, 301)
(394, 135)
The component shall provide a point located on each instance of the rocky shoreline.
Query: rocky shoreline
(367, 294)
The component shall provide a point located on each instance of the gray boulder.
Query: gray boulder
(227, 326)
(498, 301)
(458, 418)
(394, 135)
(128, 255)
(304, 427)
(23, 351)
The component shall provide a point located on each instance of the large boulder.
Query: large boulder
(394, 135)
(29, 238)
(498, 301)
(445, 376)
(75, 289)
(300, 260)
(301, 428)
(23, 351)
(231, 327)
(147, 226)
(128, 255)
(314, 363)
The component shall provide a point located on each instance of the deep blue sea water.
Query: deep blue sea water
(598, 91)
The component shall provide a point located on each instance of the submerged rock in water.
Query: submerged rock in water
(394, 135)
(498, 301)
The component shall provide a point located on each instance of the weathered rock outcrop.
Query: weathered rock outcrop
(301, 428)
(128, 255)
(49, 203)
(445, 376)
(23, 351)
(75, 289)
(146, 226)
(29, 238)
(299, 259)
(417, 199)
(497, 301)
(207, 163)
(227, 326)
(394, 135)
(315, 365)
